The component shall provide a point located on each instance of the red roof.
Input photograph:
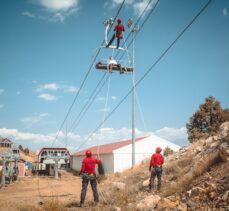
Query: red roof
(107, 148)
(52, 148)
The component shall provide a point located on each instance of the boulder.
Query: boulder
(148, 203)
(145, 183)
(166, 204)
(211, 139)
(119, 185)
(197, 191)
(182, 207)
(224, 130)
(198, 149)
(225, 196)
(116, 209)
(224, 151)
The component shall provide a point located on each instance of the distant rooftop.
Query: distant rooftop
(52, 149)
(5, 140)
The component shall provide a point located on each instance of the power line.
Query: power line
(136, 23)
(88, 104)
(82, 84)
(149, 70)
(139, 18)
(140, 28)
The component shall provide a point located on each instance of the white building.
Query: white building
(117, 156)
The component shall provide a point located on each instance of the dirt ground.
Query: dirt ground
(35, 191)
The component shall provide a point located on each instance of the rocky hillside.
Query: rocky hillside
(31, 156)
(194, 178)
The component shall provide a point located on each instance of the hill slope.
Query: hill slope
(195, 178)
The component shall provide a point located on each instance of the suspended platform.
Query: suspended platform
(114, 47)
(111, 67)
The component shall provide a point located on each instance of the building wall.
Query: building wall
(76, 162)
(143, 149)
(107, 160)
(21, 169)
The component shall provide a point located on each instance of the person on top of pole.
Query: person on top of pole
(88, 174)
(119, 29)
(155, 168)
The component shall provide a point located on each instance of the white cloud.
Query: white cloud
(58, 17)
(58, 5)
(54, 10)
(103, 136)
(31, 120)
(104, 109)
(35, 16)
(225, 12)
(56, 87)
(37, 140)
(114, 98)
(1, 106)
(176, 135)
(43, 114)
(29, 14)
(100, 99)
(104, 98)
(49, 86)
(120, 1)
(23, 136)
(137, 5)
(47, 97)
(2, 91)
(70, 89)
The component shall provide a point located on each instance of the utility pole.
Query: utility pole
(133, 29)
(3, 171)
(56, 167)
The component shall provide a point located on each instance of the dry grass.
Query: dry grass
(51, 205)
(54, 205)
(196, 168)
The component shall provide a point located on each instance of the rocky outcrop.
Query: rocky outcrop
(194, 178)
(148, 203)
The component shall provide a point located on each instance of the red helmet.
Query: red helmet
(119, 20)
(88, 153)
(158, 150)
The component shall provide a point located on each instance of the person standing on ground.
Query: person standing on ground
(155, 168)
(119, 29)
(88, 174)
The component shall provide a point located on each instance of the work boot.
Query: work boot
(81, 205)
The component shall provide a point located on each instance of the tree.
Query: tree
(168, 151)
(20, 147)
(206, 121)
(26, 151)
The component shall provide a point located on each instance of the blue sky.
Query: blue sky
(47, 46)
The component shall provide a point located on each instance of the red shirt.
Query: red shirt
(119, 28)
(156, 160)
(88, 165)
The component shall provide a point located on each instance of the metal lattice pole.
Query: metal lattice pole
(56, 168)
(133, 30)
(133, 106)
(3, 171)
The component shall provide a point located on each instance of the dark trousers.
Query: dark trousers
(86, 178)
(112, 39)
(156, 172)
